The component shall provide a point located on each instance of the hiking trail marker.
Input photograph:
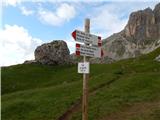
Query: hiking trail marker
(92, 48)
(91, 51)
(83, 67)
(86, 38)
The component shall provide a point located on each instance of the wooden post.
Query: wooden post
(85, 80)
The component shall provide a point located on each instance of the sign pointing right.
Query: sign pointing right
(86, 38)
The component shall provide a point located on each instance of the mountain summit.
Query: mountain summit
(141, 35)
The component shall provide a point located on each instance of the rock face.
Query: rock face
(141, 35)
(157, 58)
(30, 62)
(54, 53)
(142, 26)
(102, 60)
(157, 13)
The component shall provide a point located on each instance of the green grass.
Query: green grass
(38, 92)
(23, 77)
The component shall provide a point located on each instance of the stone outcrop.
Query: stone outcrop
(157, 58)
(30, 62)
(53, 53)
(141, 35)
(102, 60)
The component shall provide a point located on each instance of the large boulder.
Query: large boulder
(53, 53)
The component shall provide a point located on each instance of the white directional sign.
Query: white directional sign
(87, 38)
(83, 67)
(91, 51)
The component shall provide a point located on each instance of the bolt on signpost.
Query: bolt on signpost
(86, 50)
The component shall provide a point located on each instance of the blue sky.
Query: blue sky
(29, 23)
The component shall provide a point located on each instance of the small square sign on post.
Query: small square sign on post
(83, 67)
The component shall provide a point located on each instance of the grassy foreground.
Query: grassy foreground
(37, 92)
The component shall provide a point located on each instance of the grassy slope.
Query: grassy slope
(35, 92)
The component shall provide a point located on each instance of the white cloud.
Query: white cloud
(108, 22)
(71, 45)
(64, 12)
(15, 2)
(16, 45)
(11, 2)
(26, 11)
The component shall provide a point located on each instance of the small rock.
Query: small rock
(30, 62)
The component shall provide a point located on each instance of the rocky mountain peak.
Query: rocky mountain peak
(142, 25)
(141, 35)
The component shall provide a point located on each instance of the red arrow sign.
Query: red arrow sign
(86, 38)
(74, 34)
(92, 51)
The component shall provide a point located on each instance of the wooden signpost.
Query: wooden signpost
(92, 48)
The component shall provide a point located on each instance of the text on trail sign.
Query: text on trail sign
(91, 51)
(87, 38)
(83, 67)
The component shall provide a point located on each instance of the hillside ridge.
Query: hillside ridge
(59, 87)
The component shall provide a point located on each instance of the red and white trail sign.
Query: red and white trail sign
(87, 38)
(90, 51)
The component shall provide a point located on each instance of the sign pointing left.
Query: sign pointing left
(87, 38)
